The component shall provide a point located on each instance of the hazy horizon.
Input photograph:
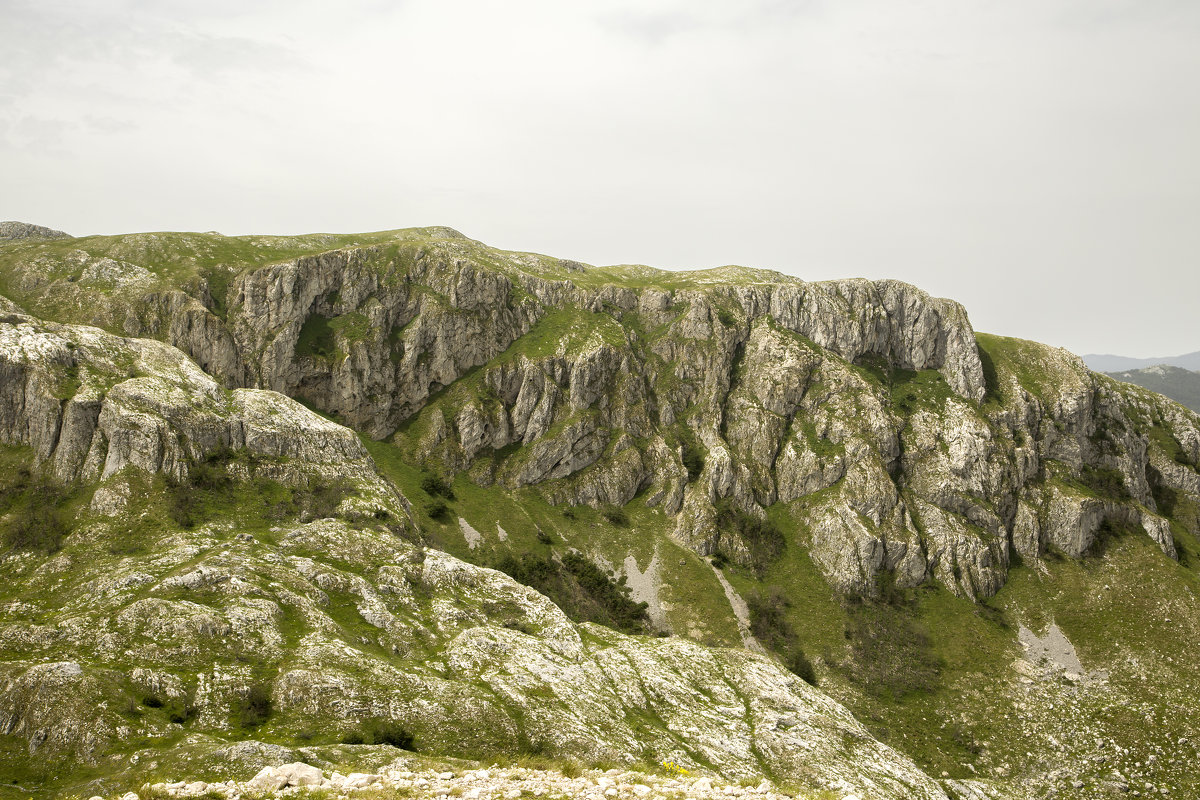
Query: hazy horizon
(1034, 161)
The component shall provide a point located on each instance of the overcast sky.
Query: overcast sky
(1037, 160)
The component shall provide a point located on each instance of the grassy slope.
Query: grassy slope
(697, 605)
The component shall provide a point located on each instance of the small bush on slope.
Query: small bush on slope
(255, 708)
(769, 624)
(210, 491)
(579, 588)
(762, 538)
(381, 731)
(33, 505)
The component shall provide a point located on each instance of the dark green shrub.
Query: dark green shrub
(434, 486)
(385, 731)
(762, 538)
(769, 624)
(439, 511)
(212, 474)
(693, 460)
(1165, 498)
(579, 588)
(991, 381)
(617, 517)
(1105, 482)
(180, 712)
(623, 613)
(183, 504)
(1109, 531)
(798, 664)
(381, 731)
(321, 500)
(544, 537)
(153, 701)
(254, 709)
(531, 570)
(725, 317)
(37, 520)
(37, 527)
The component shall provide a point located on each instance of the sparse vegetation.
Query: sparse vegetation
(32, 508)
(382, 731)
(253, 708)
(916, 666)
(211, 490)
(769, 624)
(891, 653)
(762, 539)
(580, 588)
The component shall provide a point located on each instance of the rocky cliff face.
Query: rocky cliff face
(89, 405)
(863, 406)
(236, 566)
(14, 231)
(335, 621)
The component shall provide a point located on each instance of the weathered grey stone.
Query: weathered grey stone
(11, 231)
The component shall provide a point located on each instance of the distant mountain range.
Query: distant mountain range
(1181, 385)
(1110, 363)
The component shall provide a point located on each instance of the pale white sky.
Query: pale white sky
(1037, 160)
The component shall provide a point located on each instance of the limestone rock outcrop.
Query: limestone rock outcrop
(13, 231)
(908, 446)
(90, 404)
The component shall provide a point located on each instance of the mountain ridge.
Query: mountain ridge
(891, 495)
(1111, 363)
(1181, 385)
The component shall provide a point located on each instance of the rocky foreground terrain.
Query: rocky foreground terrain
(402, 779)
(786, 537)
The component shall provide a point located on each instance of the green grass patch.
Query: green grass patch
(212, 491)
(1031, 363)
(316, 339)
(770, 625)
(351, 327)
(1162, 436)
